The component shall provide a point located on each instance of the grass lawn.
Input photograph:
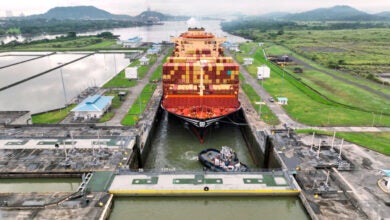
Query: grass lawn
(138, 106)
(361, 51)
(52, 117)
(119, 81)
(308, 107)
(74, 44)
(116, 103)
(156, 75)
(279, 50)
(378, 141)
(266, 114)
(106, 117)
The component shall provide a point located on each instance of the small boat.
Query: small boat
(221, 161)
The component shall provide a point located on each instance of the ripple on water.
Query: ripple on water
(190, 155)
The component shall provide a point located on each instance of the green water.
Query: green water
(196, 208)
(175, 146)
(26, 185)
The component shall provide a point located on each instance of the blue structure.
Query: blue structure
(92, 107)
(282, 100)
(153, 50)
(386, 172)
(132, 42)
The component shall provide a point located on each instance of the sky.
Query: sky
(190, 7)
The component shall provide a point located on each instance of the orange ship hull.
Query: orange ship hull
(201, 111)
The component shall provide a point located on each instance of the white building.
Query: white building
(248, 61)
(132, 42)
(263, 72)
(282, 100)
(153, 50)
(234, 47)
(131, 73)
(92, 107)
(144, 61)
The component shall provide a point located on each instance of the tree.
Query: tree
(106, 34)
(71, 34)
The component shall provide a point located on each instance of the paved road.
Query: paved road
(134, 92)
(275, 108)
(285, 119)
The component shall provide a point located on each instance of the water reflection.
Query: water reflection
(22, 71)
(175, 146)
(45, 92)
(155, 33)
(158, 33)
(39, 185)
(208, 208)
(8, 60)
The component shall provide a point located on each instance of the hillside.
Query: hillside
(79, 12)
(385, 14)
(336, 13)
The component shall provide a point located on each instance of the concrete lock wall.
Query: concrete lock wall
(142, 146)
(260, 145)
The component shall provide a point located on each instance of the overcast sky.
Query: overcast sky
(191, 7)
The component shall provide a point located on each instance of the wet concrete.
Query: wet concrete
(46, 206)
(334, 187)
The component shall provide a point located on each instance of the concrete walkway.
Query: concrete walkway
(275, 108)
(205, 184)
(134, 92)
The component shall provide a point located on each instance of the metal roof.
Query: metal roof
(387, 172)
(93, 103)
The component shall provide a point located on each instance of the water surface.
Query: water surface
(195, 208)
(26, 185)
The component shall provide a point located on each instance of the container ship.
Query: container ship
(200, 84)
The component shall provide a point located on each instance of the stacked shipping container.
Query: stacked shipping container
(199, 83)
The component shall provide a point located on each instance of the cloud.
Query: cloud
(194, 8)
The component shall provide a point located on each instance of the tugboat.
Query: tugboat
(221, 161)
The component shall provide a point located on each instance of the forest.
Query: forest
(38, 26)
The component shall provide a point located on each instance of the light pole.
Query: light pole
(63, 85)
(259, 103)
(115, 65)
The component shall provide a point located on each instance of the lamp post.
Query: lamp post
(259, 103)
(63, 85)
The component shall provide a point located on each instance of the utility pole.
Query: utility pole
(63, 85)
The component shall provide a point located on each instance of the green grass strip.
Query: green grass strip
(52, 117)
(139, 105)
(266, 114)
(377, 141)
